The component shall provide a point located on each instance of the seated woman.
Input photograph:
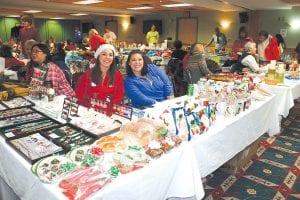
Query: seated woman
(10, 61)
(197, 66)
(45, 70)
(103, 81)
(145, 84)
(247, 60)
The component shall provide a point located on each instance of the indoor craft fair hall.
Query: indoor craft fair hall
(149, 100)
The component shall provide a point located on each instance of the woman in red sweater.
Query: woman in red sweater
(103, 81)
(267, 47)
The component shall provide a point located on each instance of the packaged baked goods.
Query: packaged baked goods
(111, 143)
(154, 149)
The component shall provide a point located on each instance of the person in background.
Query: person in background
(59, 55)
(145, 84)
(78, 37)
(297, 52)
(219, 39)
(103, 81)
(14, 45)
(178, 53)
(10, 61)
(85, 44)
(247, 60)
(267, 47)
(238, 45)
(27, 32)
(281, 43)
(30, 65)
(152, 36)
(109, 36)
(197, 66)
(70, 46)
(45, 70)
(95, 40)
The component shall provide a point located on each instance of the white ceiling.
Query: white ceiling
(65, 6)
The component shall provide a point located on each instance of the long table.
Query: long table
(285, 95)
(175, 174)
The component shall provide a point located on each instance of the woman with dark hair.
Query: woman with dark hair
(59, 56)
(238, 45)
(281, 43)
(10, 61)
(178, 53)
(45, 70)
(103, 81)
(145, 84)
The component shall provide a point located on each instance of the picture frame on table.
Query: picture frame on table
(34, 147)
(69, 136)
(18, 102)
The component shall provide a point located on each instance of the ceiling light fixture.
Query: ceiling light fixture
(177, 5)
(57, 18)
(140, 8)
(13, 16)
(78, 14)
(86, 2)
(32, 11)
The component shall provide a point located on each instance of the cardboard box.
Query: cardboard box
(241, 159)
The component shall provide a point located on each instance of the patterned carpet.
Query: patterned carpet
(272, 173)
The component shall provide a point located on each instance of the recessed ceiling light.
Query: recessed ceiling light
(57, 18)
(78, 14)
(141, 8)
(177, 5)
(86, 2)
(32, 11)
(13, 16)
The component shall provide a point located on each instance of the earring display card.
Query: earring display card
(69, 136)
(34, 147)
(15, 112)
(20, 130)
(17, 102)
(74, 106)
(66, 109)
(123, 111)
(21, 119)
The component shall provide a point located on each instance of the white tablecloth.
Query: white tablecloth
(229, 136)
(285, 95)
(175, 174)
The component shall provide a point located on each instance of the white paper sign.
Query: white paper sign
(283, 32)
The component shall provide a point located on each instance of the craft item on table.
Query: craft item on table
(82, 155)
(14, 112)
(70, 108)
(180, 121)
(21, 119)
(83, 182)
(173, 138)
(193, 123)
(114, 171)
(142, 131)
(22, 129)
(153, 149)
(52, 168)
(131, 159)
(69, 136)
(96, 123)
(111, 143)
(35, 146)
(211, 109)
(123, 110)
(202, 117)
(102, 106)
(17, 102)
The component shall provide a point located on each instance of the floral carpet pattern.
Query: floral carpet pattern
(272, 173)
